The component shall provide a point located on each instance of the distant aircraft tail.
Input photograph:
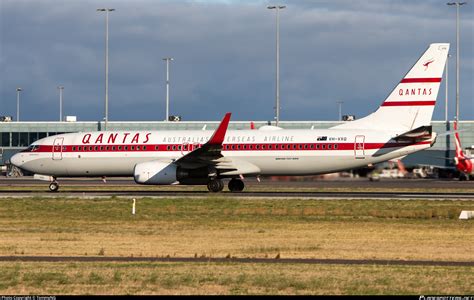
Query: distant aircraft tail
(462, 163)
(410, 105)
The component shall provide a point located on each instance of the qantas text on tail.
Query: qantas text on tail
(400, 126)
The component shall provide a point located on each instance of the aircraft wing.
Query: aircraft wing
(210, 155)
(210, 152)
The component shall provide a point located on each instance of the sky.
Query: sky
(224, 57)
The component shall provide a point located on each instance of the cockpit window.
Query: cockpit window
(31, 148)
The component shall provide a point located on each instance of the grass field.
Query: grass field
(220, 227)
(229, 278)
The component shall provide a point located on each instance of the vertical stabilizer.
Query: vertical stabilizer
(411, 103)
(462, 163)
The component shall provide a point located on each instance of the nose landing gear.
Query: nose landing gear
(54, 186)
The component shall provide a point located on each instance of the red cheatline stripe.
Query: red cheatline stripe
(408, 103)
(226, 147)
(412, 80)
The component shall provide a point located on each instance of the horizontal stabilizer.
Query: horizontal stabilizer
(418, 134)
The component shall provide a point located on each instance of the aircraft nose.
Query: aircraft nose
(16, 160)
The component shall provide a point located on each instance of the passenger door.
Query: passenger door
(58, 148)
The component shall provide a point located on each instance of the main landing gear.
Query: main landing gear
(216, 185)
(236, 185)
(54, 186)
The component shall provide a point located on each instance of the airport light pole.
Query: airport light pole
(18, 90)
(446, 91)
(277, 100)
(167, 59)
(448, 139)
(340, 109)
(107, 10)
(60, 88)
(458, 4)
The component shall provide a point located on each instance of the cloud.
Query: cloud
(224, 51)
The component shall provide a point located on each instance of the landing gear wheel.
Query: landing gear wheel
(236, 185)
(53, 186)
(215, 185)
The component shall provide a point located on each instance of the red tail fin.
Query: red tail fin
(459, 153)
(462, 163)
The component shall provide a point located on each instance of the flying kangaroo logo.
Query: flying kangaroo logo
(427, 64)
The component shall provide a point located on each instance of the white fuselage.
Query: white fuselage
(254, 152)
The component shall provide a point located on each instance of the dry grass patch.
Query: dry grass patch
(230, 278)
(219, 227)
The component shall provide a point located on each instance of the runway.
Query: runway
(322, 189)
(266, 182)
(237, 260)
(273, 195)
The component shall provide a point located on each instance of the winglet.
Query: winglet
(218, 136)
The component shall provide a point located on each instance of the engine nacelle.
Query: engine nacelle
(155, 172)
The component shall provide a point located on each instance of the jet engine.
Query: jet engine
(163, 173)
(155, 172)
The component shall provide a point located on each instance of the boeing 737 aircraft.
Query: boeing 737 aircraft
(400, 126)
